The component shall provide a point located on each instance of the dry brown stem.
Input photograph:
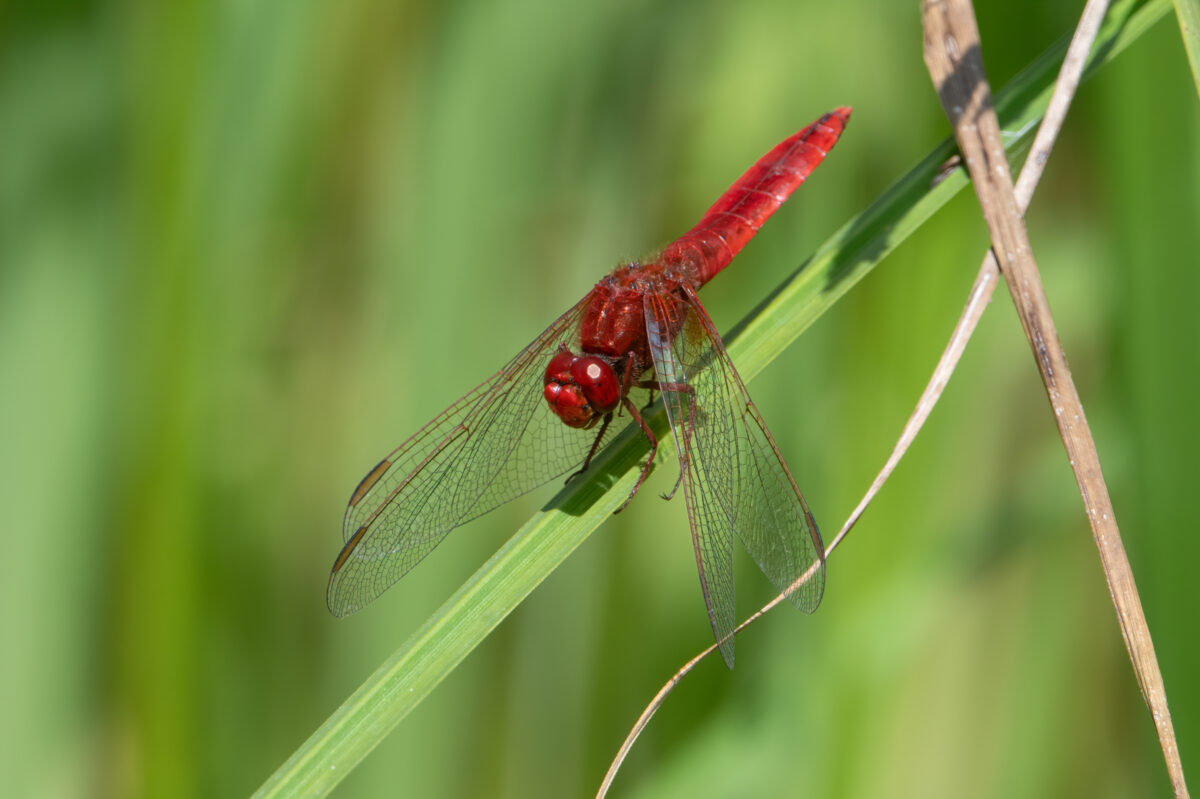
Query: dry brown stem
(954, 58)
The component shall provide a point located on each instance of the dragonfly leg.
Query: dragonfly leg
(637, 417)
(652, 385)
(592, 452)
(627, 382)
(682, 388)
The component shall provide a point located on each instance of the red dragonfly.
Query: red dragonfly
(640, 331)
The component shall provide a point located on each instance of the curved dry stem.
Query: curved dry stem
(684, 670)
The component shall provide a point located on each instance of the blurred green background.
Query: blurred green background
(246, 249)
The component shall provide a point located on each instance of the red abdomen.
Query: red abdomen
(741, 211)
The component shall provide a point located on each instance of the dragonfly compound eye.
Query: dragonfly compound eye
(580, 389)
(598, 381)
(559, 368)
(566, 397)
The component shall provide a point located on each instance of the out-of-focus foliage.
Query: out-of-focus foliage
(245, 249)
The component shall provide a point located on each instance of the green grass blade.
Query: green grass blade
(1188, 14)
(545, 541)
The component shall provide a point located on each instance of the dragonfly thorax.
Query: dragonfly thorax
(581, 389)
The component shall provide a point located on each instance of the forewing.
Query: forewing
(735, 480)
(495, 443)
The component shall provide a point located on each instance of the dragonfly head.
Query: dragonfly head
(581, 389)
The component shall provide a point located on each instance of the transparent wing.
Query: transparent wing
(735, 480)
(495, 443)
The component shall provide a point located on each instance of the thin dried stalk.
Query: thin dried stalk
(953, 56)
